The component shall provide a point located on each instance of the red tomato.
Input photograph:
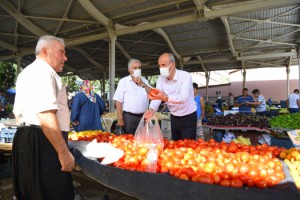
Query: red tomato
(190, 172)
(250, 183)
(229, 167)
(209, 167)
(204, 178)
(263, 173)
(252, 172)
(153, 91)
(236, 183)
(243, 168)
(184, 177)
(260, 183)
(216, 179)
(244, 156)
(225, 183)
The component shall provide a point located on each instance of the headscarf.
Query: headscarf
(87, 89)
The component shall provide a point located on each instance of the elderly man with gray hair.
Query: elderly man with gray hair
(131, 97)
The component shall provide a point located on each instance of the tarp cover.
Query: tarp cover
(150, 186)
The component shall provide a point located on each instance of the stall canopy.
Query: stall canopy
(204, 35)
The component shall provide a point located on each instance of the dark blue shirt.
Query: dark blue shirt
(87, 112)
(243, 99)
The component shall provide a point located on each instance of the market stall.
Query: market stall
(145, 185)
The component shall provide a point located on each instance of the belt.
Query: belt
(27, 124)
(133, 114)
(37, 126)
(183, 115)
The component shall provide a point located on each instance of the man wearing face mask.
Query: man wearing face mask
(175, 88)
(131, 99)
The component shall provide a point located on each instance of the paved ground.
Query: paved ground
(85, 188)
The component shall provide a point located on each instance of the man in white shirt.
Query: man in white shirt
(131, 99)
(42, 161)
(175, 88)
(293, 102)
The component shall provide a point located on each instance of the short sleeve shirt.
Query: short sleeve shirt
(243, 99)
(134, 98)
(293, 98)
(39, 89)
(262, 106)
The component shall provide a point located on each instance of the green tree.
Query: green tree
(70, 81)
(7, 76)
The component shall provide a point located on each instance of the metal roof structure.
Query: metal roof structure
(204, 35)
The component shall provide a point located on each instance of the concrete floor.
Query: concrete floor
(85, 188)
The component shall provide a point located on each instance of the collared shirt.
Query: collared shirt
(293, 98)
(262, 106)
(133, 97)
(180, 94)
(40, 89)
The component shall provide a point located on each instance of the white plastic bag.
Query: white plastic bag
(109, 153)
(149, 133)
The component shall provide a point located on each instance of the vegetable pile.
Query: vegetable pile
(209, 162)
(288, 121)
(240, 119)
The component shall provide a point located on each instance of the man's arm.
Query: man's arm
(50, 127)
(119, 107)
(298, 102)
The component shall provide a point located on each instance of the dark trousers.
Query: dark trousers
(293, 110)
(184, 127)
(36, 168)
(131, 121)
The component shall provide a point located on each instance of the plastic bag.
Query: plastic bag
(148, 133)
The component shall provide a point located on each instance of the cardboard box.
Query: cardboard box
(295, 137)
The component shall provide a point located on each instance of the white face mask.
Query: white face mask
(137, 73)
(165, 71)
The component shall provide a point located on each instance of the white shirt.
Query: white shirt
(293, 99)
(180, 94)
(40, 89)
(133, 97)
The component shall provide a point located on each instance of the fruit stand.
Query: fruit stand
(145, 185)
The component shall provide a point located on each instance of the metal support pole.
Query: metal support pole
(112, 65)
(287, 80)
(207, 76)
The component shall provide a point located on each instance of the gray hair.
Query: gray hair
(44, 42)
(133, 61)
(171, 58)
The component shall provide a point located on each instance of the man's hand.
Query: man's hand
(148, 114)
(157, 94)
(121, 122)
(67, 161)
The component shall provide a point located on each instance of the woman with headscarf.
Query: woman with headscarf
(87, 108)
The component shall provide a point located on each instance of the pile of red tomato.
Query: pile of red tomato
(208, 162)
(202, 161)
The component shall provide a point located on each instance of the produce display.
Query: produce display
(240, 119)
(242, 140)
(283, 111)
(209, 162)
(288, 121)
(292, 159)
